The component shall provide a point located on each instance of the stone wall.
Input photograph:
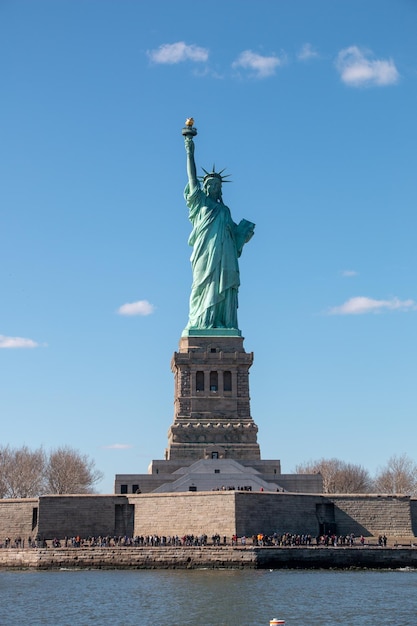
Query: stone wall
(249, 513)
(185, 513)
(224, 512)
(373, 514)
(413, 509)
(84, 515)
(278, 512)
(332, 558)
(139, 558)
(18, 518)
(301, 483)
(208, 557)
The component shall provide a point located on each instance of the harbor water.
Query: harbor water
(208, 597)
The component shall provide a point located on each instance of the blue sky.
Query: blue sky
(311, 107)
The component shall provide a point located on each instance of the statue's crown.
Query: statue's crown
(214, 174)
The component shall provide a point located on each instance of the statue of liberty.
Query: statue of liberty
(217, 244)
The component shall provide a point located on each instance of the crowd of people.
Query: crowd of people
(294, 539)
(276, 539)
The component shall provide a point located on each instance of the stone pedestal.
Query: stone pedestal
(212, 404)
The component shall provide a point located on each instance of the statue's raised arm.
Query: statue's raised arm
(189, 132)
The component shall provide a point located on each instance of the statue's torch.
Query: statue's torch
(189, 130)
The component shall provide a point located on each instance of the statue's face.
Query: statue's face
(213, 188)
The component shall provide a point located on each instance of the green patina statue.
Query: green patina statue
(217, 244)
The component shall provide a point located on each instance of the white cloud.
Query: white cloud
(362, 304)
(118, 446)
(349, 273)
(262, 66)
(357, 68)
(141, 307)
(307, 52)
(171, 53)
(17, 342)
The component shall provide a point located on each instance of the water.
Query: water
(208, 597)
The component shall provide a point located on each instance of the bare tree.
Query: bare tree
(22, 472)
(399, 475)
(68, 471)
(338, 476)
(352, 478)
(3, 469)
(26, 473)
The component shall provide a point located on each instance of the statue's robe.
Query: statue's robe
(217, 243)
